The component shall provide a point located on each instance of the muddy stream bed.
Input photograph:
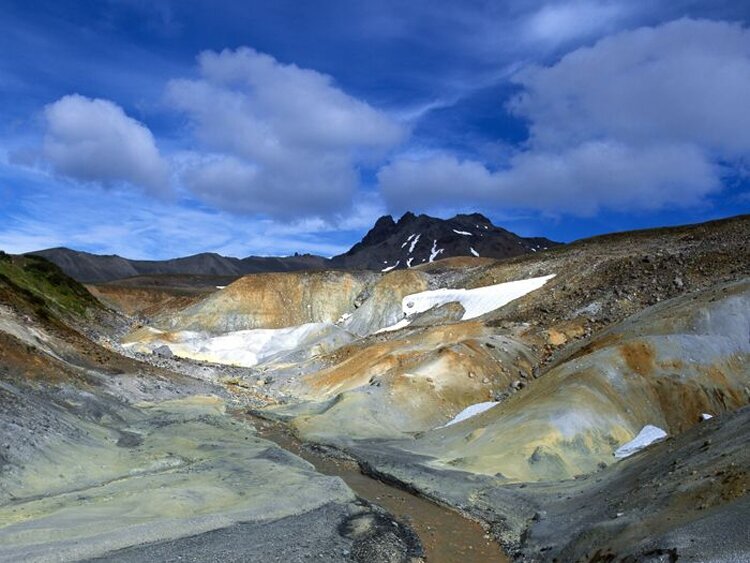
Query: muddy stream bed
(447, 537)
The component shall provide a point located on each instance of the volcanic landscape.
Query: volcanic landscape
(444, 391)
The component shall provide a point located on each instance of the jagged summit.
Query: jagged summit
(418, 239)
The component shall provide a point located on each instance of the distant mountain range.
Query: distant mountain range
(408, 242)
(95, 268)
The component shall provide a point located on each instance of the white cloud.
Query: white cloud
(93, 140)
(683, 82)
(642, 120)
(578, 181)
(561, 22)
(277, 139)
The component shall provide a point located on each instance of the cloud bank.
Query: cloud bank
(642, 120)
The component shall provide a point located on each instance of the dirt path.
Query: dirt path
(447, 536)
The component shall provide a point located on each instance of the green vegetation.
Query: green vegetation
(44, 285)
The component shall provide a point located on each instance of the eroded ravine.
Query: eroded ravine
(446, 536)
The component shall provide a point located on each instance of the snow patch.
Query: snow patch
(408, 262)
(435, 251)
(705, 416)
(389, 268)
(403, 323)
(408, 239)
(470, 411)
(648, 435)
(414, 243)
(245, 348)
(476, 302)
(465, 233)
(474, 252)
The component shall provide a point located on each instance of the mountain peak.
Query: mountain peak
(478, 217)
(420, 239)
(383, 222)
(406, 218)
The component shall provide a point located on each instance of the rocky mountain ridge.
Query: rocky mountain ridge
(96, 268)
(389, 245)
(420, 239)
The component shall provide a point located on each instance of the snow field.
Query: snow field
(476, 302)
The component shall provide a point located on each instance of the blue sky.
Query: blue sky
(160, 128)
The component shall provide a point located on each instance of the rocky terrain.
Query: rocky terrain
(105, 457)
(582, 402)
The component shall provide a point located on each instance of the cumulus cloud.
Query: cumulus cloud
(643, 120)
(275, 138)
(686, 81)
(93, 140)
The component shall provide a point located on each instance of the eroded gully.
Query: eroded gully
(447, 537)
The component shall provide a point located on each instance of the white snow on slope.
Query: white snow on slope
(465, 233)
(476, 302)
(409, 261)
(407, 240)
(474, 252)
(705, 416)
(648, 435)
(244, 348)
(403, 323)
(471, 410)
(389, 268)
(414, 243)
(435, 251)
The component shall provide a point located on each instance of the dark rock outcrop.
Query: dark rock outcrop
(420, 239)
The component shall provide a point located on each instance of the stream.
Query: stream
(447, 537)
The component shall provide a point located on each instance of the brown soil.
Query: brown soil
(639, 357)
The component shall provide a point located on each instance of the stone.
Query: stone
(163, 351)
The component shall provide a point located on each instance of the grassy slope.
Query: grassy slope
(43, 285)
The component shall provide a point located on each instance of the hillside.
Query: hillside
(115, 454)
